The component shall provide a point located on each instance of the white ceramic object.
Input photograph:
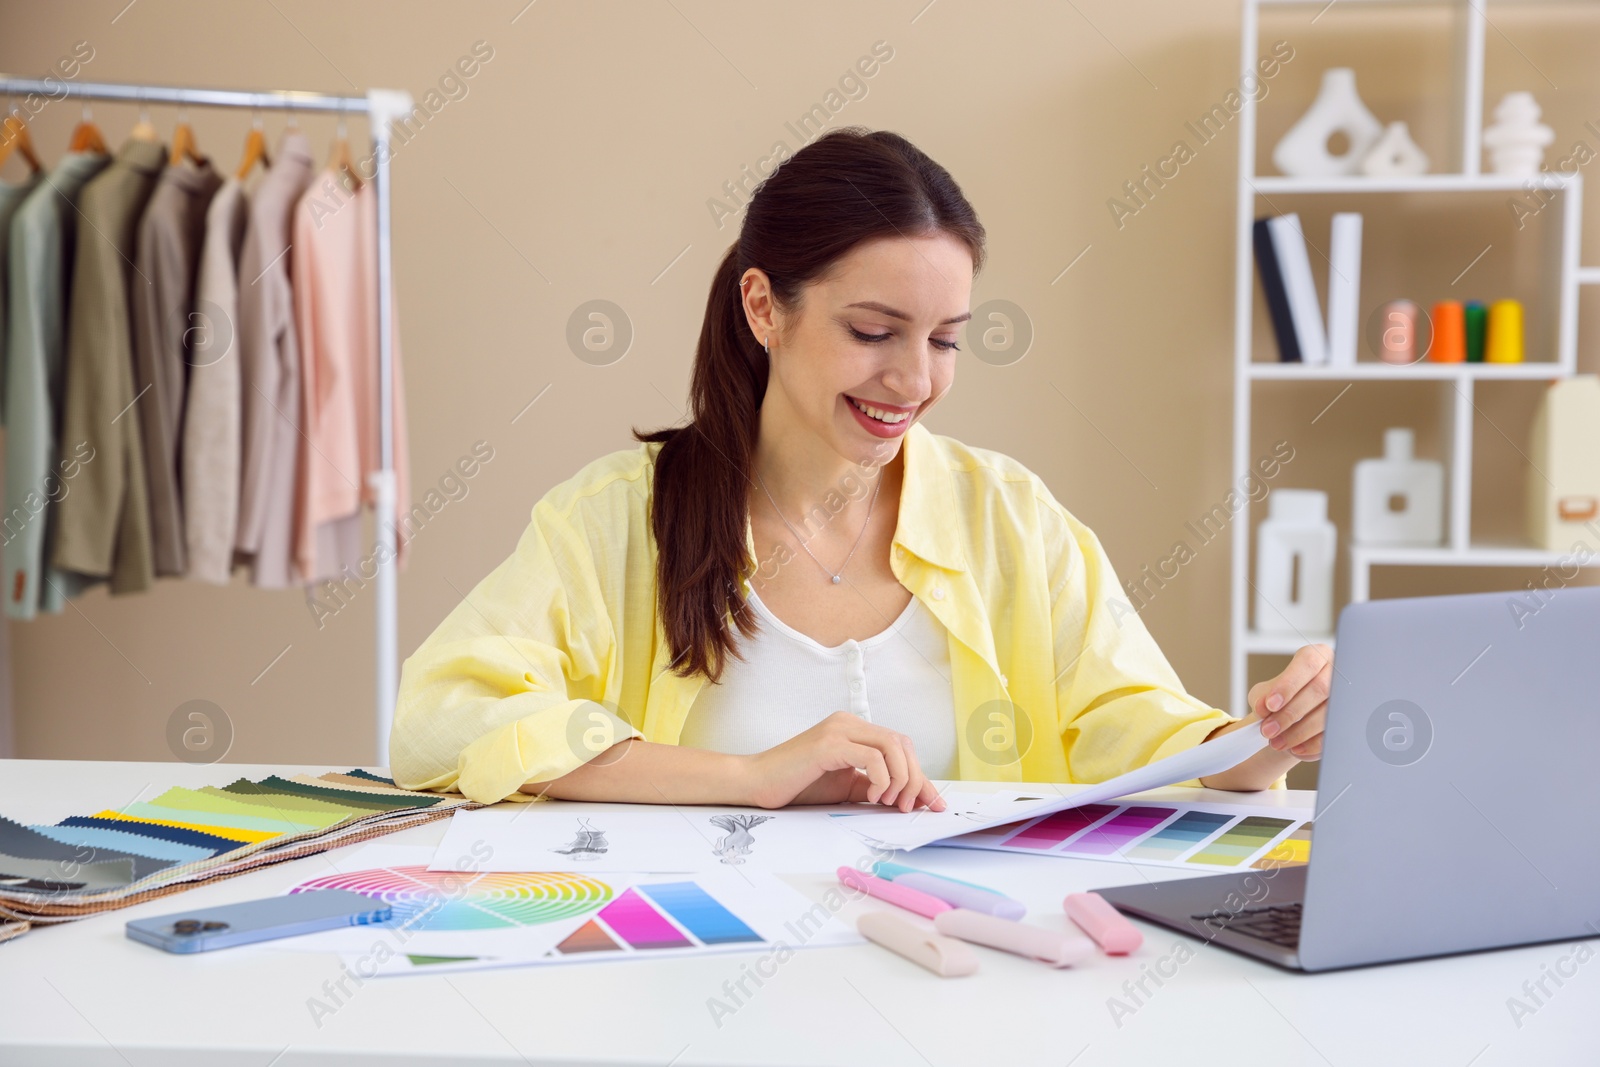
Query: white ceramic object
(1303, 152)
(1564, 504)
(1517, 140)
(1399, 499)
(1294, 564)
(1394, 155)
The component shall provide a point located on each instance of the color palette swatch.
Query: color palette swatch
(445, 920)
(1176, 835)
(1290, 851)
(1239, 841)
(86, 864)
(434, 900)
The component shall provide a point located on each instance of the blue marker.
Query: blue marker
(952, 891)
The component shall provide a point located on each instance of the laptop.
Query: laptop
(1456, 806)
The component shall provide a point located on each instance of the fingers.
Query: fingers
(915, 779)
(871, 762)
(895, 755)
(1307, 664)
(1257, 693)
(1298, 692)
(905, 777)
(1311, 750)
(1306, 729)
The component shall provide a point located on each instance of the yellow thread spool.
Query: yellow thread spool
(1504, 343)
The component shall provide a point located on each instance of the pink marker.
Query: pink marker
(1116, 935)
(913, 900)
(1055, 947)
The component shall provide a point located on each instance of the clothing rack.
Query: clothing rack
(381, 106)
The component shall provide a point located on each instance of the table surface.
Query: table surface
(83, 993)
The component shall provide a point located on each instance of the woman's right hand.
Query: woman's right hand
(842, 759)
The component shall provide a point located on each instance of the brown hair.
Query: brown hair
(848, 186)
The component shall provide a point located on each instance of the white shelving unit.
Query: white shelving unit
(1563, 264)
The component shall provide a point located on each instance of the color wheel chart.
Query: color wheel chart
(622, 918)
(1172, 835)
(442, 900)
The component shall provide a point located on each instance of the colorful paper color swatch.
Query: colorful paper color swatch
(1290, 852)
(1115, 833)
(1240, 841)
(1179, 836)
(700, 913)
(436, 900)
(1176, 835)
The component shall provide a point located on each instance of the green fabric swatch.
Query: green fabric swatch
(205, 800)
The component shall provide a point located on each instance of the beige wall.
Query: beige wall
(580, 165)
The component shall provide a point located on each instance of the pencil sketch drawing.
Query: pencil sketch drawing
(587, 844)
(734, 845)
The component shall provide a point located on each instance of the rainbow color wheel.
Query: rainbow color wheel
(446, 900)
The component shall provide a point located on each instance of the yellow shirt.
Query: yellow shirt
(559, 652)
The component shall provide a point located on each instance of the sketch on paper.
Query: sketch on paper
(735, 844)
(588, 843)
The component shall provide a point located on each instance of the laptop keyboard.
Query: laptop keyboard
(1278, 923)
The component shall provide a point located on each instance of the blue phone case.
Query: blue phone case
(226, 925)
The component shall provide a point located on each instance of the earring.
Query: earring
(764, 347)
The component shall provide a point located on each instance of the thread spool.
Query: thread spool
(1477, 317)
(1397, 340)
(1505, 342)
(1449, 333)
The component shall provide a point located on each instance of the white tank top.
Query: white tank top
(788, 682)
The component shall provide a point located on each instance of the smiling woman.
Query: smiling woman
(954, 622)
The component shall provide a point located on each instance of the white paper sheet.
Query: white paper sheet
(585, 837)
(487, 921)
(914, 829)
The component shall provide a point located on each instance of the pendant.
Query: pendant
(836, 579)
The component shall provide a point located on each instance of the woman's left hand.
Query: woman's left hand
(1293, 707)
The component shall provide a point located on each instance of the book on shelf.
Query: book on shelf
(1344, 288)
(1272, 287)
(1285, 269)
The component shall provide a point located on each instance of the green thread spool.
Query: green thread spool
(1477, 330)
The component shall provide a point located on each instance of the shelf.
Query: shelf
(1479, 555)
(1282, 644)
(1366, 3)
(1424, 371)
(1589, 275)
(1421, 183)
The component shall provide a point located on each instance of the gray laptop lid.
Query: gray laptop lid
(1457, 803)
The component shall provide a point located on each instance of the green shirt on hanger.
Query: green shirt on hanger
(104, 526)
(42, 241)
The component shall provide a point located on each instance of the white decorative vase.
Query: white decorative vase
(1399, 499)
(1517, 140)
(1303, 152)
(1394, 155)
(1294, 564)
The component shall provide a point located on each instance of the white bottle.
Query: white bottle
(1294, 564)
(1399, 499)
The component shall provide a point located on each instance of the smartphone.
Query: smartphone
(203, 929)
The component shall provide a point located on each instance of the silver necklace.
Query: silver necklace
(840, 575)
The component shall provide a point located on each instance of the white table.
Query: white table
(84, 993)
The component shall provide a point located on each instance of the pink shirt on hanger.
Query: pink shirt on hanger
(335, 270)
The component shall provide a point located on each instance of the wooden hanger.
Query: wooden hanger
(255, 150)
(14, 137)
(143, 130)
(339, 159)
(86, 136)
(184, 145)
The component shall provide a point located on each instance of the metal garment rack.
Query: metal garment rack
(381, 106)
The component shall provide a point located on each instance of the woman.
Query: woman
(804, 596)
